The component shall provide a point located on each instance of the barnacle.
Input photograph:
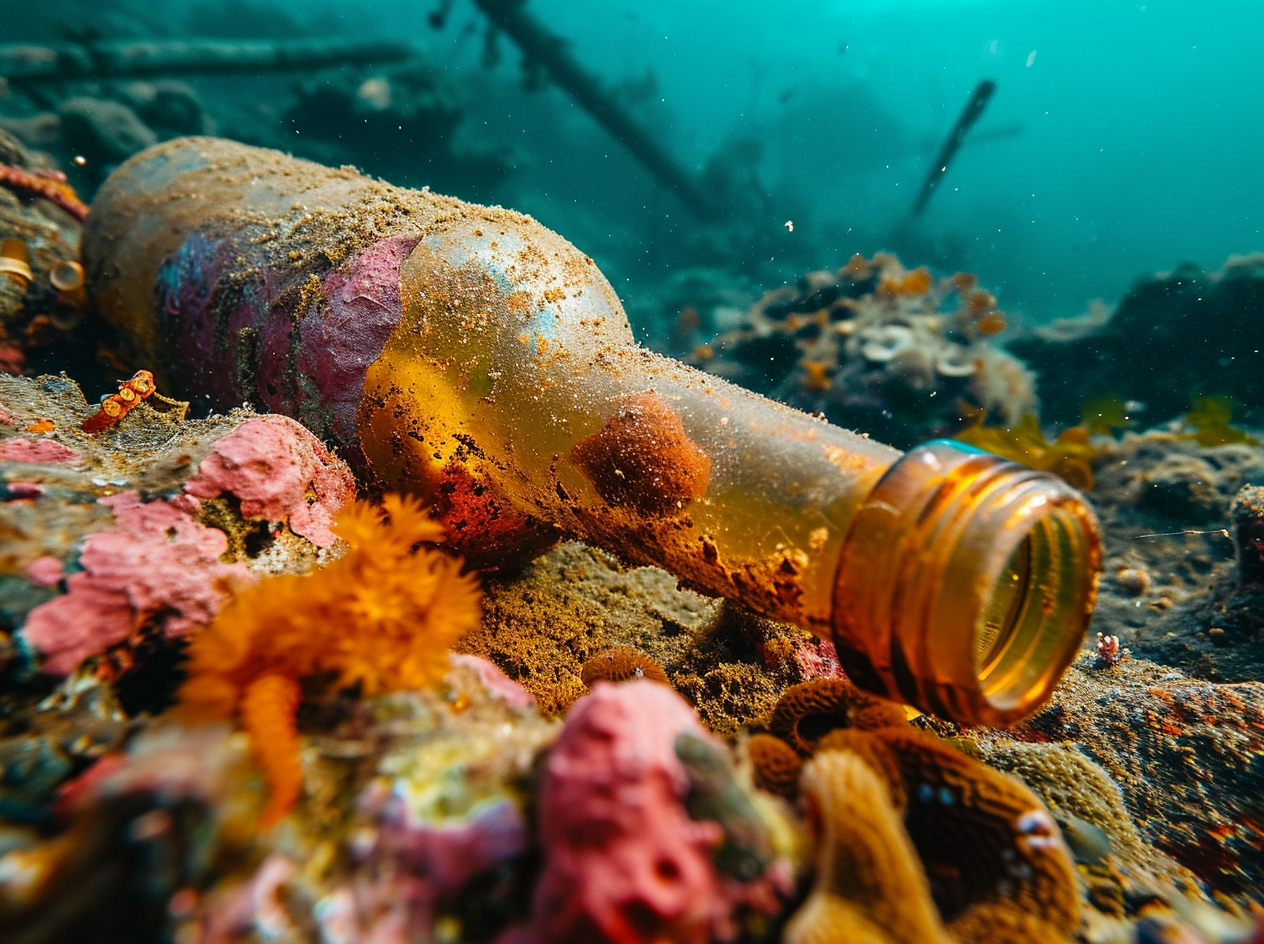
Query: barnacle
(15, 261)
(382, 618)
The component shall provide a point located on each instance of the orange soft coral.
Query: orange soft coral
(381, 617)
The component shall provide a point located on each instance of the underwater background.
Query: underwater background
(352, 558)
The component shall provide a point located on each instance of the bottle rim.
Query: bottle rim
(966, 584)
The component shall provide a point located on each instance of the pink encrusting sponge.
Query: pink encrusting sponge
(623, 860)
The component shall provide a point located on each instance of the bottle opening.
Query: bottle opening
(1005, 609)
(1037, 610)
(966, 584)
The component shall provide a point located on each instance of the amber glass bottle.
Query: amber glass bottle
(470, 355)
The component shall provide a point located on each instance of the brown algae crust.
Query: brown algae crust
(643, 458)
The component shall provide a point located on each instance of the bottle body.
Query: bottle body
(472, 356)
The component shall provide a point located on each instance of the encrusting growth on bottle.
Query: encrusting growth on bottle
(382, 617)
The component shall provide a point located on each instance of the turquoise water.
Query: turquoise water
(1123, 137)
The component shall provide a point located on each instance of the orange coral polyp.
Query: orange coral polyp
(267, 713)
(991, 324)
(382, 617)
(980, 301)
(917, 282)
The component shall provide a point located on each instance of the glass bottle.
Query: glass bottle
(475, 357)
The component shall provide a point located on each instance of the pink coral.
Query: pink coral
(623, 860)
(157, 564)
(279, 472)
(38, 451)
(45, 571)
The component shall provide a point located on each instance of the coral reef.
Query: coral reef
(381, 618)
(903, 811)
(145, 560)
(1155, 346)
(411, 805)
(444, 811)
(415, 815)
(412, 846)
(898, 353)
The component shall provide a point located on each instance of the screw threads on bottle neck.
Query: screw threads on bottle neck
(966, 584)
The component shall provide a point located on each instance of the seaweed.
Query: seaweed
(1207, 423)
(1069, 455)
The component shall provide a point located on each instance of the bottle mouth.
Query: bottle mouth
(966, 584)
